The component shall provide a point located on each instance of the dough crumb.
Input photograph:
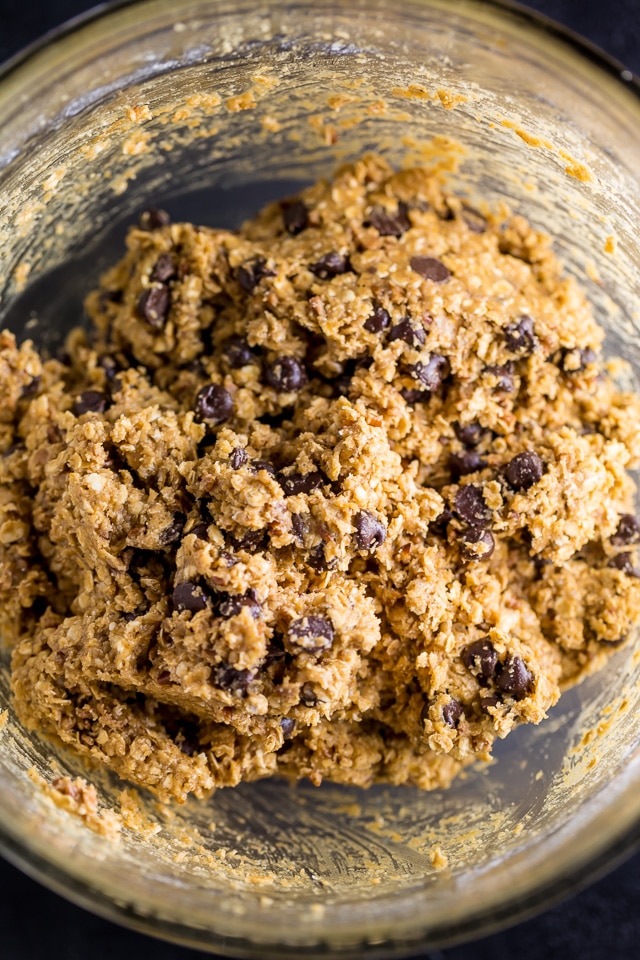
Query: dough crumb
(80, 799)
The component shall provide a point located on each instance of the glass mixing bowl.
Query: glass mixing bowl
(208, 109)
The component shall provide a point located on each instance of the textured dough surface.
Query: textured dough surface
(343, 494)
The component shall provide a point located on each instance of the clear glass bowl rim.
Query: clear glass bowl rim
(615, 848)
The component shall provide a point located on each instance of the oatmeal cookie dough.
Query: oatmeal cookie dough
(343, 494)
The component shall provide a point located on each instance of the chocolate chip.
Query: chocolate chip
(370, 532)
(524, 470)
(311, 633)
(520, 336)
(486, 703)
(238, 458)
(31, 388)
(440, 525)
(252, 541)
(238, 353)
(575, 361)
(624, 562)
(287, 726)
(331, 265)
(451, 712)
(153, 219)
(432, 373)
(467, 461)
(389, 224)
(295, 216)
(628, 531)
(477, 544)
(110, 367)
(412, 333)
(470, 434)
(378, 321)
(300, 525)
(286, 374)
(214, 404)
(232, 606)
(415, 396)
(269, 468)
(153, 305)
(470, 506)
(308, 696)
(189, 596)
(230, 679)
(250, 274)
(430, 269)
(91, 401)
(515, 679)
(174, 531)
(317, 560)
(504, 374)
(164, 677)
(201, 531)
(165, 268)
(481, 659)
(296, 483)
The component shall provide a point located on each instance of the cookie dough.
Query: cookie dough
(343, 494)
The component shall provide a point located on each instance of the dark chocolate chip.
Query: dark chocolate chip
(520, 336)
(230, 679)
(378, 321)
(370, 532)
(189, 596)
(487, 702)
(153, 305)
(286, 374)
(31, 388)
(201, 531)
(515, 679)
(415, 396)
(576, 360)
(174, 531)
(250, 274)
(451, 712)
(300, 525)
(412, 333)
(467, 461)
(317, 560)
(252, 541)
(331, 265)
(110, 367)
(238, 353)
(311, 633)
(481, 659)
(624, 562)
(233, 605)
(430, 269)
(432, 373)
(504, 374)
(308, 696)
(214, 404)
(238, 458)
(440, 525)
(269, 468)
(153, 219)
(165, 268)
(164, 677)
(288, 726)
(628, 531)
(470, 434)
(389, 224)
(91, 401)
(470, 506)
(295, 216)
(296, 483)
(524, 470)
(477, 544)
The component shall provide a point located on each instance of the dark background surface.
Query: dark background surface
(600, 923)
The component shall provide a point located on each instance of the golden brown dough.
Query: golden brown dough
(343, 494)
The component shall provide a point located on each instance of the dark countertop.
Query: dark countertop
(601, 922)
